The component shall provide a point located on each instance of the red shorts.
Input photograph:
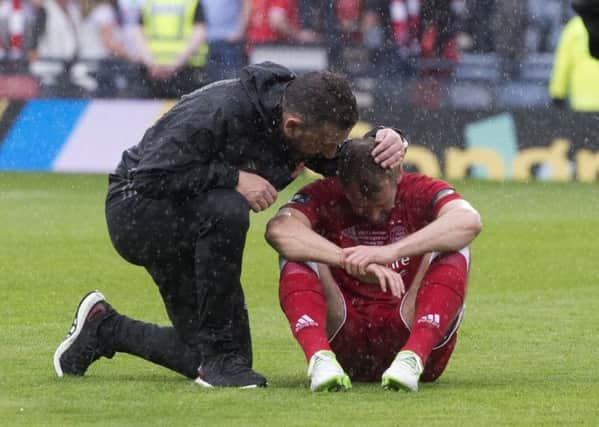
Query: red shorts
(371, 336)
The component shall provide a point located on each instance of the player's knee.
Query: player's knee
(298, 277)
(449, 271)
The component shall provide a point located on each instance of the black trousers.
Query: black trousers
(193, 250)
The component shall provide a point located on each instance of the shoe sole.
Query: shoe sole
(205, 384)
(395, 385)
(334, 384)
(83, 309)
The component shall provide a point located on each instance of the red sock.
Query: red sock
(304, 303)
(438, 302)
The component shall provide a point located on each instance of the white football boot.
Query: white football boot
(326, 373)
(404, 372)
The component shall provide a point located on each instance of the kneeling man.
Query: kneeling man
(374, 272)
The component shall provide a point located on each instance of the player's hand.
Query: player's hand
(390, 149)
(388, 279)
(258, 192)
(357, 258)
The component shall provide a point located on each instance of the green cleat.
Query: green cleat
(326, 373)
(404, 372)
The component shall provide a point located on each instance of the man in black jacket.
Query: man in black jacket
(178, 205)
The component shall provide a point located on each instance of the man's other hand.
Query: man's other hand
(388, 279)
(358, 258)
(258, 192)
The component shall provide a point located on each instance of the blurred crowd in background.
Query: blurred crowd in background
(463, 53)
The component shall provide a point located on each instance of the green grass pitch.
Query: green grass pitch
(527, 352)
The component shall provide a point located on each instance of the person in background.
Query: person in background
(475, 25)
(509, 24)
(172, 42)
(102, 41)
(347, 14)
(438, 30)
(129, 12)
(589, 12)
(226, 25)
(575, 75)
(277, 21)
(54, 45)
(391, 31)
(342, 33)
(545, 21)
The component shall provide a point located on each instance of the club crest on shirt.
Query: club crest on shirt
(397, 233)
(300, 198)
(350, 233)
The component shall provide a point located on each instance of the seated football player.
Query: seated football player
(373, 273)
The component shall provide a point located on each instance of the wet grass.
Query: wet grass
(527, 351)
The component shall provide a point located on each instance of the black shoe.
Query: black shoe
(228, 370)
(81, 347)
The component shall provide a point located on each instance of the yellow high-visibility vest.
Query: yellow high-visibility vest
(575, 72)
(167, 26)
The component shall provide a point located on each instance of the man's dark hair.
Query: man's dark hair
(321, 97)
(356, 166)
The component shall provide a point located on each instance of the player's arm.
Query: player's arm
(456, 225)
(290, 233)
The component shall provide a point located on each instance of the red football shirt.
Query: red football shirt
(417, 203)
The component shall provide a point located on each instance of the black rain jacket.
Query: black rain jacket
(210, 135)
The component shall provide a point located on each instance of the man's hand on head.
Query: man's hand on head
(258, 192)
(390, 149)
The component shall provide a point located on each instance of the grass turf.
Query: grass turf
(527, 352)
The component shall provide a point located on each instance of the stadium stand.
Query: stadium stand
(477, 80)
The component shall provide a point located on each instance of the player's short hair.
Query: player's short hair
(320, 97)
(356, 166)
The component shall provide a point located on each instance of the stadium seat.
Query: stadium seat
(355, 61)
(470, 96)
(297, 58)
(537, 67)
(522, 94)
(479, 67)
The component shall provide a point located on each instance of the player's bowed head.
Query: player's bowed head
(369, 187)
